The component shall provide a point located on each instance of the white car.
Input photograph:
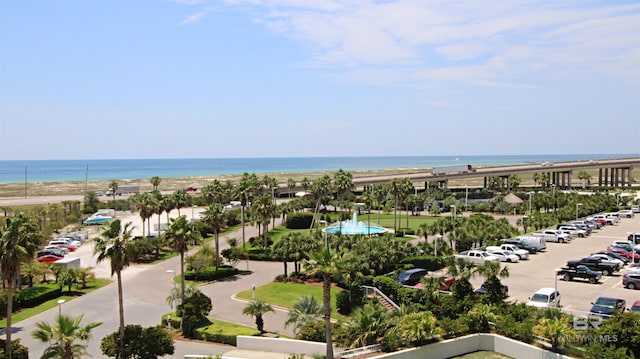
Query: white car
(545, 298)
(506, 256)
(477, 257)
(574, 231)
(63, 250)
(626, 213)
(606, 259)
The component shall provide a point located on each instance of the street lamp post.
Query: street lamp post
(556, 280)
(578, 210)
(324, 232)
(175, 288)
(60, 301)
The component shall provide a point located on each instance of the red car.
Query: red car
(624, 253)
(192, 189)
(601, 221)
(48, 258)
(70, 247)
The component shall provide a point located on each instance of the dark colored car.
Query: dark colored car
(411, 277)
(631, 280)
(483, 290)
(635, 307)
(46, 252)
(605, 307)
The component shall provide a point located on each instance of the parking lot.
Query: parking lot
(539, 271)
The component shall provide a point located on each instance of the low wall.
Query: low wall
(471, 343)
(280, 345)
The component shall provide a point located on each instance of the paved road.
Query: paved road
(146, 288)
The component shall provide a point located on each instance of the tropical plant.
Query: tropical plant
(113, 186)
(325, 264)
(417, 328)
(62, 337)
(365, 327)
(557, 330)
(114, 244)
(155, 182)
(178, 236)
(214, 217)
(140, 343)
(193, 310)
(257, 308)
(306, 310)
(18, 244)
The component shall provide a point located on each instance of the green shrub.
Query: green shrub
(343, 302)
(427, 262)
(203, 334)
(210, 273)
(299, 220)
(38, 294)
(18, 351)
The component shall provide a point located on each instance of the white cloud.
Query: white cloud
(193, 18)
(480, 43)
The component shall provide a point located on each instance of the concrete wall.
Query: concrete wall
(471, 343)
(280, 345)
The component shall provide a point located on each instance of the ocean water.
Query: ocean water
(120, 169)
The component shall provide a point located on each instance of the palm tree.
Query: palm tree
(380, 191)
(155, 182)
(306, 310)
(257, 308)
(62, 337)
(143, 203)
(246, 190)
(18, 243)
(214, 217)
(264, 209)
(491, 271)
(179, 199)
(290, 183)
(557, 330)
(321, 188)
(396, 191)
(343, 184)
(114, 244)
(417, 328)
(366, 326)
(114, 188)
(179, 235)
(326, 264)
(483, 315)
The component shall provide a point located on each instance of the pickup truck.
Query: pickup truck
(477, 257)
(553, 235)
(573, 231)
(521, 253)
(580, 271)
(596, 264)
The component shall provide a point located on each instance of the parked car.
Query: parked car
(626, 213)
(446, 281)
(595, 223)
(595, 264)
(631, 279)
(609, 220)
(635, 208)
(553, 235)
(484, 290)
(605, 307)
(477, 257)
(583, 226)
(634, 238)
(580, 271)
(609, 258)
(635, 257)
(545, 298)
(623, 244)
(517, 250)
(61, 250)
(616, 256)
(411, 277)
(573, 231)
(48, 252)
(48, 258)
(505, 256)
(635, 307)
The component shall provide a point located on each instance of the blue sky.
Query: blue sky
(290, 78)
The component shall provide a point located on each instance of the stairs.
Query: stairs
(373, 292)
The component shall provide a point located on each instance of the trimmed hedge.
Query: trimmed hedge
(427, 262)
(210, 273)
(299, 220)
(202, 334)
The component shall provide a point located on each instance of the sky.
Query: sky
(299, 78)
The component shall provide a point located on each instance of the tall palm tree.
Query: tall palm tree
(290, 183)
(343, 184)
(180, 199)
(264, 209)
(214, 217)
(114, 244)
(321, 188)
(326, 264)
(178, 236)
(143, 203)
(18, 243)
(245, 191)
(395, 187)
(380, 191)
(62, 337)
(114, 188)
(257, 308)
(155, 182)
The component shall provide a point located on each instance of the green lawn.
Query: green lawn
(230, 329)
(30, 312)
(287, 294)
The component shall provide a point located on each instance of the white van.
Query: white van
(534, 241)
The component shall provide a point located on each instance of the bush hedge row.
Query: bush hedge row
(299, 220)
(427, 262)
(210, 273)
